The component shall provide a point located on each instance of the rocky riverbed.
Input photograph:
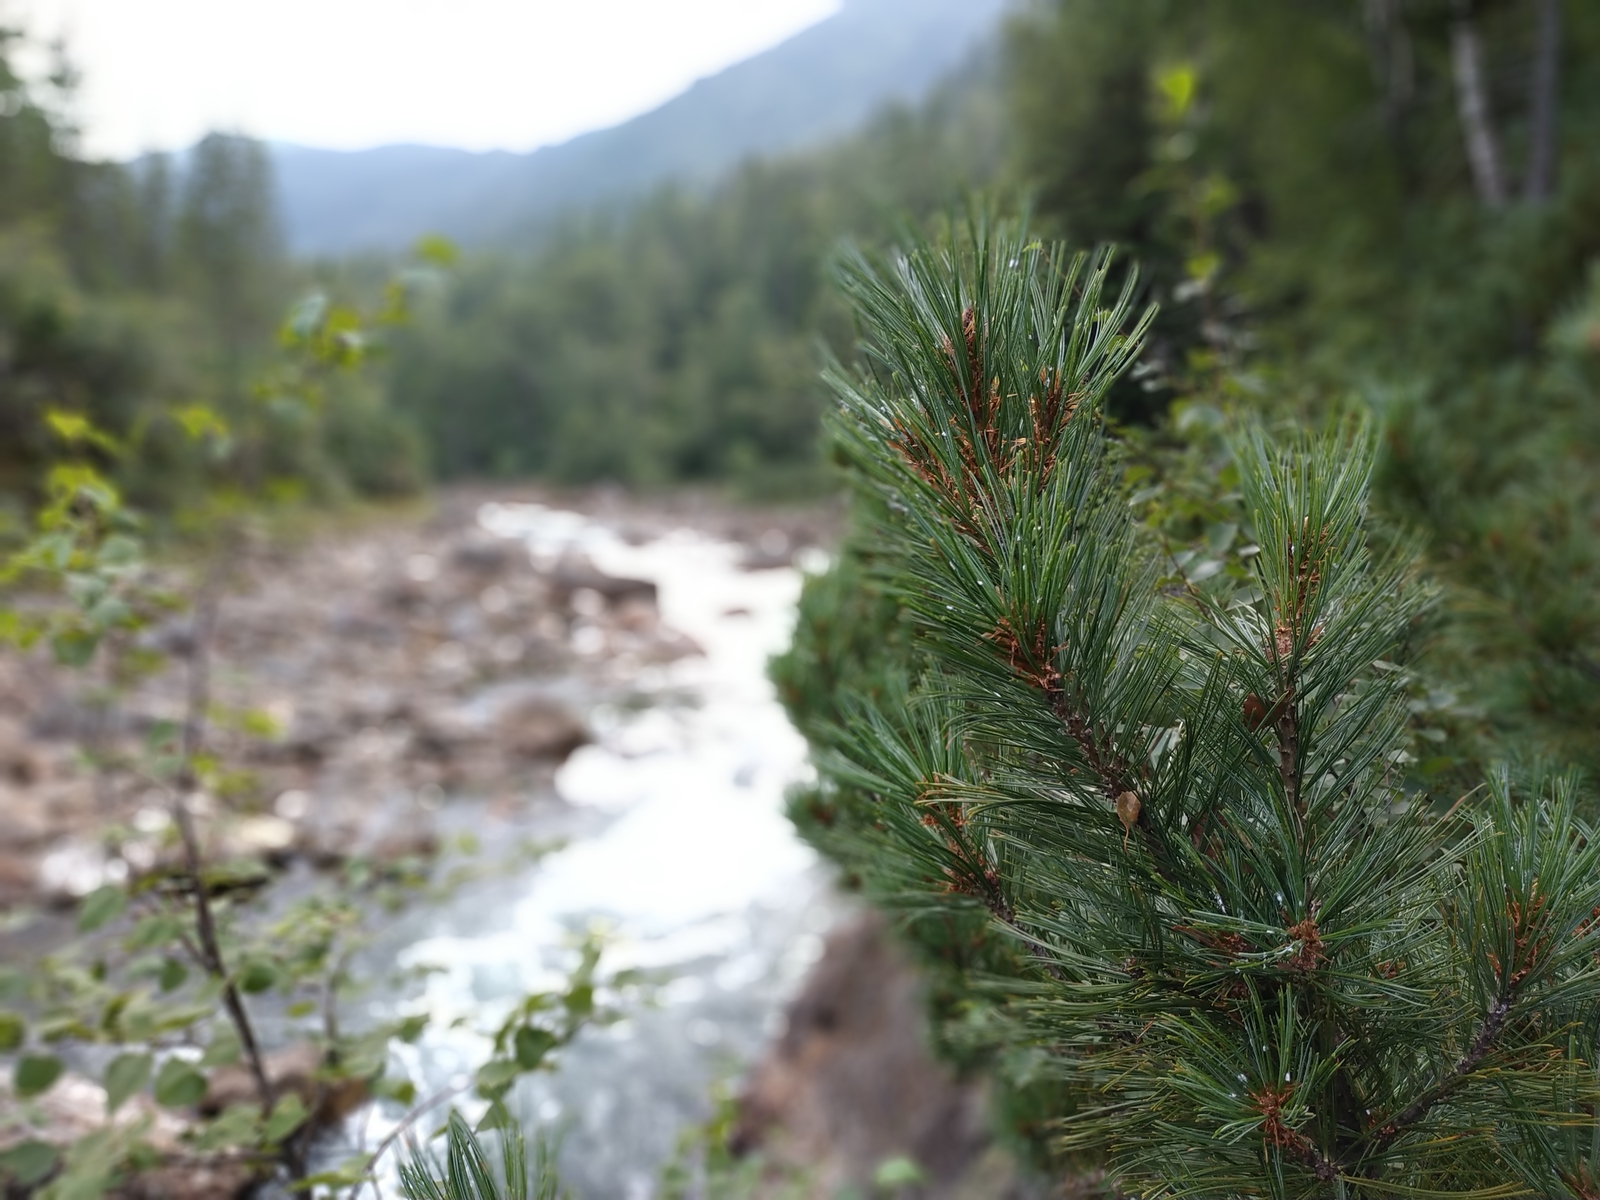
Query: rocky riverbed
(357, 682)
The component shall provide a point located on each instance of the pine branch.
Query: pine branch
(1493, 1022)
(1254, 961)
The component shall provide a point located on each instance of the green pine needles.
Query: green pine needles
(466, 1174)
(1177, 802)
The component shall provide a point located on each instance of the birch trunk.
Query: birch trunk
(1472, 102)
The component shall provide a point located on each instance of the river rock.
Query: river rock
(572, 575)
(292, 1071)
(355, 670)
(540, 728)
(851, 1085)
(851, 1082)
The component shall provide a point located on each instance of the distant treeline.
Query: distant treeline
(129, 291)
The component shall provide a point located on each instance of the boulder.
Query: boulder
(572, 575)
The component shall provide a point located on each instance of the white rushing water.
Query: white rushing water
(679, 848)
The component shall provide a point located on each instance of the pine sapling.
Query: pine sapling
(1259, 967)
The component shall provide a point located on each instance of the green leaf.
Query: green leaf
(12, 1030)
(531, 1045)
(257, 976)
(28, 1162)
(498, 1116)
(173, 973)
(224, 1047)
(401, 1091)
(153, 931)
(34, 1073)
(580, 1000)
(125, 1076)
(100, 906)
(436, 250)
(179, 1085)
(347, 1174)
(897, 1173)
(288, 1114)
(494, 1077)
(239, 1125)
(74, 647)
(409, 1029)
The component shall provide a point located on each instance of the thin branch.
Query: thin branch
(1544, 106)
(1003, 912)
(191, 742)
(1493, 1022)
(1472, 103)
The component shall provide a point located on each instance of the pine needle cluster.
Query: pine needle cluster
(1163, 815)
(466, 1173)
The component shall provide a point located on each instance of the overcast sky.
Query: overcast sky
(481, 74)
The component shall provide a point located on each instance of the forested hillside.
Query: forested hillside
(681, 340)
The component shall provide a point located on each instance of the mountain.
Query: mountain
(823, 82)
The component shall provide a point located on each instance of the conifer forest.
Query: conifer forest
(1039, 640)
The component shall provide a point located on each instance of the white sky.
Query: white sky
(347, 74)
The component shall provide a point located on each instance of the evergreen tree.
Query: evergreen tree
(229, 243)
(1154, 825)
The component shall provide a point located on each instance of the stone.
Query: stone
(571, 575)
(292, 1070)
(851, 1082)
(538, 728)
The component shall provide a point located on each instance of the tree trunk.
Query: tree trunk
(1472, 102)
(1544, 105)
(1390, 52)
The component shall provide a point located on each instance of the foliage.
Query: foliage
(1301, 188)
(162, 986)
(1162, 816)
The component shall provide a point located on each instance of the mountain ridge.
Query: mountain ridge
(818, 84)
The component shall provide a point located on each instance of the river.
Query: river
(676, 845)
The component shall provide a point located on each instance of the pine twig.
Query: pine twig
(1493, 1022)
